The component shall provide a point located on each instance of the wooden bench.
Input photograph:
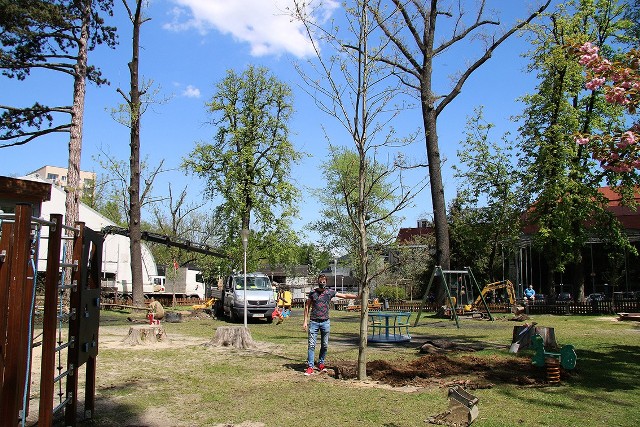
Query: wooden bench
(374, 306)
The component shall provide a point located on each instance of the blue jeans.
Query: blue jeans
(324, 328)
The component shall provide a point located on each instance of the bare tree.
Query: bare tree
(410, 27)
(184, 221)
(353, 89)
(135, 112)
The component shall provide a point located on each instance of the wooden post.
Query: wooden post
(5, 250)
(18, 332)
(71, 408)
(47, 374)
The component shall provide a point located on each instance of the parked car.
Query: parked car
(564, 297)
(595, 297)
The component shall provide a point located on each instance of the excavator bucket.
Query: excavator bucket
(463, 409)
(463, 406)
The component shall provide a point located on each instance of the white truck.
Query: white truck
(261, 300)
(184, 283)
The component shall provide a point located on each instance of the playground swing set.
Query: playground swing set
(458, 285)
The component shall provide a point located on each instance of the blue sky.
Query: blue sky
(186, 49)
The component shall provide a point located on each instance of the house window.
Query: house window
(52, 176)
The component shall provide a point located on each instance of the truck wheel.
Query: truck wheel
(269, 319)
(233, 316)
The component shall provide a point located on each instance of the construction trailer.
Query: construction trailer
(116, 254)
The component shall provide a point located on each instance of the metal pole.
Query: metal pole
(593, 273)
(335, 274)
(245, 240)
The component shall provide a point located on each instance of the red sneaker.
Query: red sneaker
(309, 371)
(322, 368)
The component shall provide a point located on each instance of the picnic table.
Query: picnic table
(389, 326)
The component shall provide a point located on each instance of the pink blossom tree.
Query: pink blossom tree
(620, 82)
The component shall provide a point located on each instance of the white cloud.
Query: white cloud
(191, 92)
(264, 24)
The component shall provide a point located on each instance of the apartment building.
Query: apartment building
(58, 176)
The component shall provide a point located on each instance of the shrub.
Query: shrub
(390, 292)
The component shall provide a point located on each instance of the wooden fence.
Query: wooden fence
(111, 303)
(564, 308)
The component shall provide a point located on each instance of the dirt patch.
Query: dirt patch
(440, 370)
(244, 424)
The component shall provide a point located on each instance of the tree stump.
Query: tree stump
(145, 335)
(548, 335)
(233, 336)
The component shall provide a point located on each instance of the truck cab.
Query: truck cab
(158, 283)
(260, 297)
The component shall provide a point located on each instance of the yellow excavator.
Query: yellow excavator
(491, 287)
(206, 305)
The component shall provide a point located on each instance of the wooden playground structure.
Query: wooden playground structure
(64, 348)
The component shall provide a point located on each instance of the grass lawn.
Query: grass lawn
(186, 383)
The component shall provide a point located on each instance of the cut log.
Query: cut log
(145, 335)
(233, 336)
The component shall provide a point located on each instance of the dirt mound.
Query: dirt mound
(439, 369)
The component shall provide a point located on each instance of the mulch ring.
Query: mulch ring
(441, 370)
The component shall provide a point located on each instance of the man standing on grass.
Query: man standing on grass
(316, 318)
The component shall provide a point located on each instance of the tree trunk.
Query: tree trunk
(145, 334)
(135, 233)
(430, 121)
(551, 280)
(578, 277)
(233, 336)
(438, 202)
(75, 138)
(437, 188)
(364, 324)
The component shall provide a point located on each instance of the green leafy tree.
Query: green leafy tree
(485, 216)
(560, 173)
(315, 256)
(632, 15)
(412, 262)
(98, 198)
(249, 163)
(340, 197)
